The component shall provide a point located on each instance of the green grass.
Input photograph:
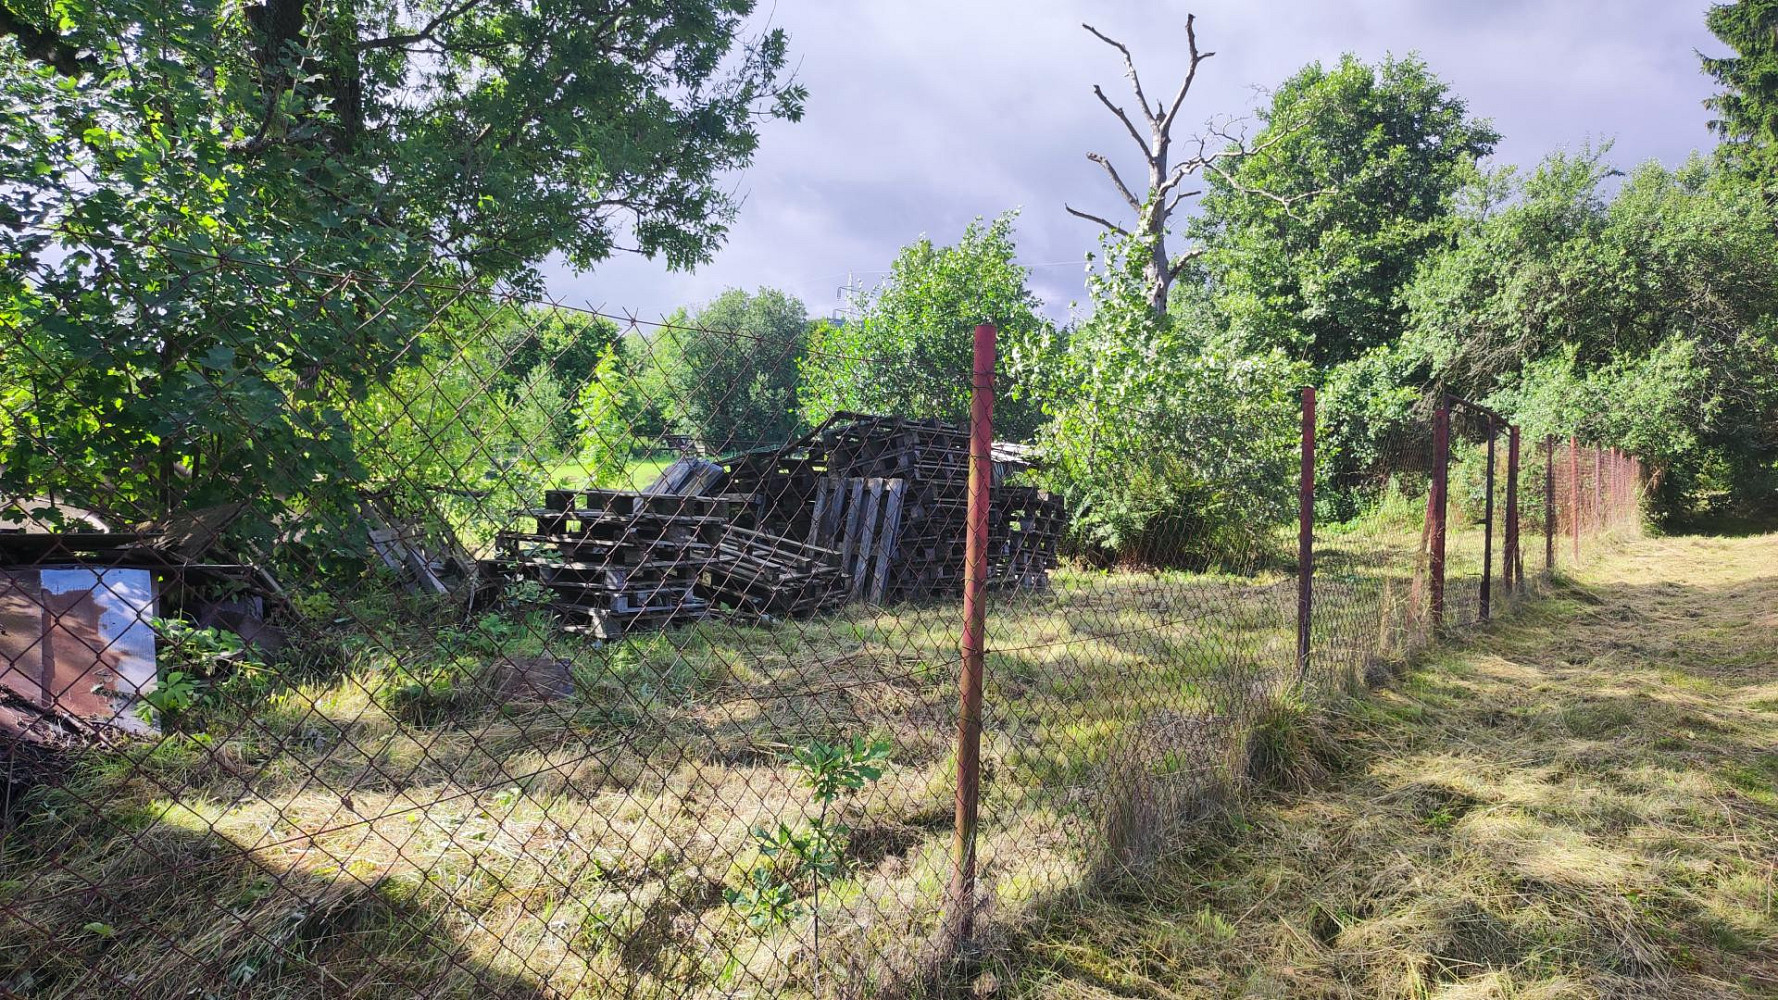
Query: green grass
(571, 473)
(1577, 801)
(393, 811)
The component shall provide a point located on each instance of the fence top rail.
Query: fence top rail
(1494, 415)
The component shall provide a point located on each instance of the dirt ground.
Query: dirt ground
(1580, 800)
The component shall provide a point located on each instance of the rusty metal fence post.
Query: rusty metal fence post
(1487, 595)
(1574, 496)
(1514, 569)
(961, 918)
(1435, 509)
(1599, 506)
(1549, 503)
(1305, 539)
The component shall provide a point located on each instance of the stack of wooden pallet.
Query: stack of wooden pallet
(617, 560)
(1024, 529)
(780, 482)
(766, 573)
(894, 503)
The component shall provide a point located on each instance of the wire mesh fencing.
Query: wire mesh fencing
(370, 636)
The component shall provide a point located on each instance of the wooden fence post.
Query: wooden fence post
(1549, 503)
(1574, 495)
(1435, 508)
(1488, 529)
(1514, 570)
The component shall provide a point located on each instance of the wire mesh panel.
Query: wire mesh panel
(1372, 538)
(1121, 695)
(366, 635)
(531, 663)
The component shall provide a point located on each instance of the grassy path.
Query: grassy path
(1581, 801)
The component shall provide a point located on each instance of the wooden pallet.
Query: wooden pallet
(861, 519)
(617, 560)
(766, 573)
(1025, 530)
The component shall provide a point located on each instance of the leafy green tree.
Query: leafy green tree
(565, 343)
(1309, 238)
(445, 419)
(1167, 449)
(728, 374)
(1645, 320)
(910, 352)
(1747, 107)
(1372, 418)
(183, 183)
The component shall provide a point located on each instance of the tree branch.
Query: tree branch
(1119, 112)
(426, 33)
(1191, 73)
(1283, 201)
(1129, 71)
(1123, 189)
(1107, 223)
(1183, 259)
(1173, 202)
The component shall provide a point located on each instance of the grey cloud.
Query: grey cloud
(924, 114)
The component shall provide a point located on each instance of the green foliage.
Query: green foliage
(1747, 107)
(1643, 321)
(194, 646)
(153, 146)
(174, 691)
(1167, 449)
(911, 350)
(765, 901)
(448, 415)
(1372, 424)
(603, 424)
(566, 344)
(833, 769)
(810, 854)
(199, 667)
(1311, 237)
(729, 374)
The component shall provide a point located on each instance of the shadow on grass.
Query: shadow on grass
(175, 912)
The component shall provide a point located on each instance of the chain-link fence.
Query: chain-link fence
(379, 638)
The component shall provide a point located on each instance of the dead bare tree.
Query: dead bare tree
(1166, 179)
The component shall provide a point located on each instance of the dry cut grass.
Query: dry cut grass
(407, 815)
(1580, 801)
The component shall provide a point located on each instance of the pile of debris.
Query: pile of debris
(863, 508)
(614, 559)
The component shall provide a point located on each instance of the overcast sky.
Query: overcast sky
(924, 114)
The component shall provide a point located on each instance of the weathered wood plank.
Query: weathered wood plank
(886, 542)
(873, 500)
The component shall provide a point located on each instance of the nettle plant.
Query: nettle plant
(193, 661)
(811, 854)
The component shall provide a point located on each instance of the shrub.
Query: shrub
(1167, 450)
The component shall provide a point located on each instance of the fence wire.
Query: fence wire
(471, 646)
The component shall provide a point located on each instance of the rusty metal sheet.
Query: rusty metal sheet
(78, 642)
